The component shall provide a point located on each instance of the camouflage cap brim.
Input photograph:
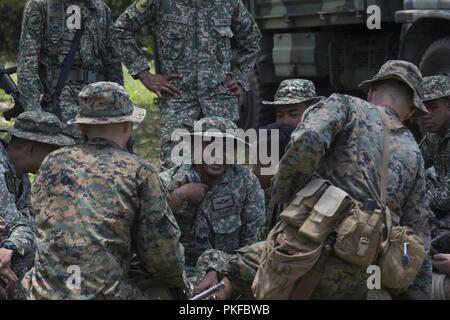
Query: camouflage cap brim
(218, 135)
(418, 103)
(57, 139)
(288, 101)
(137, 116)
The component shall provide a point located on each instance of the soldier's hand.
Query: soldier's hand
(11, 277)
(441, 262)
(5, 257)
(234, 88)
(159, 84)
(211, 279)
(192, 192)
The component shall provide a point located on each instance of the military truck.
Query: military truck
(329, 42)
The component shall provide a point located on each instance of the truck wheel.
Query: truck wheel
(252, 112)
(436, 59)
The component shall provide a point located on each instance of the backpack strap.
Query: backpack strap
(55, 20)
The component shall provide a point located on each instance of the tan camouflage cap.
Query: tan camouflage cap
(294, 91)
(405, 72)
(436, 87)
(40, 126)
(217, 127)
(106, 102)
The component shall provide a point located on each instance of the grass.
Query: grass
(145, 136)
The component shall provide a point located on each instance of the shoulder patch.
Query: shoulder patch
(34, 21)
(9, 180)
(143, 5)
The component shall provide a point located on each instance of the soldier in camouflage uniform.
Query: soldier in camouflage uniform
(217, 206)
(44, 44)
(96, 204)
(34, 136)
(199, 76)
(435, 149)
(341, 138)
(291, 100)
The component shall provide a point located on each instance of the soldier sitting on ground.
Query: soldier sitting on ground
(33, 137)
(435, 148)
(96, 205)
(292, 99)
(218, 205)
(342, 139)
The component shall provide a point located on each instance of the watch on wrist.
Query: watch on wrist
(8, 245)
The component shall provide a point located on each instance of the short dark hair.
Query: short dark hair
(285, 130)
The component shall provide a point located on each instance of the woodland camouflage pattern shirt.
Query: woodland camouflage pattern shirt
(96, 205)
(193, 38)
(229, 215)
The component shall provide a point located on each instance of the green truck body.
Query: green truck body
(329, 42)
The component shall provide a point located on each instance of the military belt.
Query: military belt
(84, 75)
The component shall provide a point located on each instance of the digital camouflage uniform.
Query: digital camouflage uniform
(44, 44)
(230, 214)
(341, 138)
(436, 153)
(15, 205)
(95, 205)
(193, 38)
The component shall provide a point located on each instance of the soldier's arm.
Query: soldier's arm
(29, 83)
(309, 143)
(157, 234)
(248, 37)
(18, 220)
(123, 35)
(253, 214)
(439, 197)
(112, 65)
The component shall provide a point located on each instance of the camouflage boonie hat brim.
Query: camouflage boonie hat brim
(405, 72)
(40, 126)
(436, 87)
(217, 127)
(294, 91)
(105, 103)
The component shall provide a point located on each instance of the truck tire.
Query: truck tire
(252, 112)
(436, 58)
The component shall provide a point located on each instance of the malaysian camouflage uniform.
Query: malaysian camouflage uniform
(15, 205)
(436, 153)
(293, 91)
(45, 42)
(95, 205)
(341, 138)
(231, 211)
(193, 38)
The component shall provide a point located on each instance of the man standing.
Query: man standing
(292, 99)
(435, 148)
(198, 74)
(341, 139)
(34, 136)
(45, 42)
(217, 205)
(96, 205)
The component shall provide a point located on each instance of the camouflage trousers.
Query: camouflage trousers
(69, 109)
(181, 114)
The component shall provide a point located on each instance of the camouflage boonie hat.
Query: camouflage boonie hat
(217, 127)
(405, 72)
(104, 103)
(436, 87)
(293, 91)
(40, 126)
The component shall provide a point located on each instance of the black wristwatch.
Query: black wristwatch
(8, 245)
